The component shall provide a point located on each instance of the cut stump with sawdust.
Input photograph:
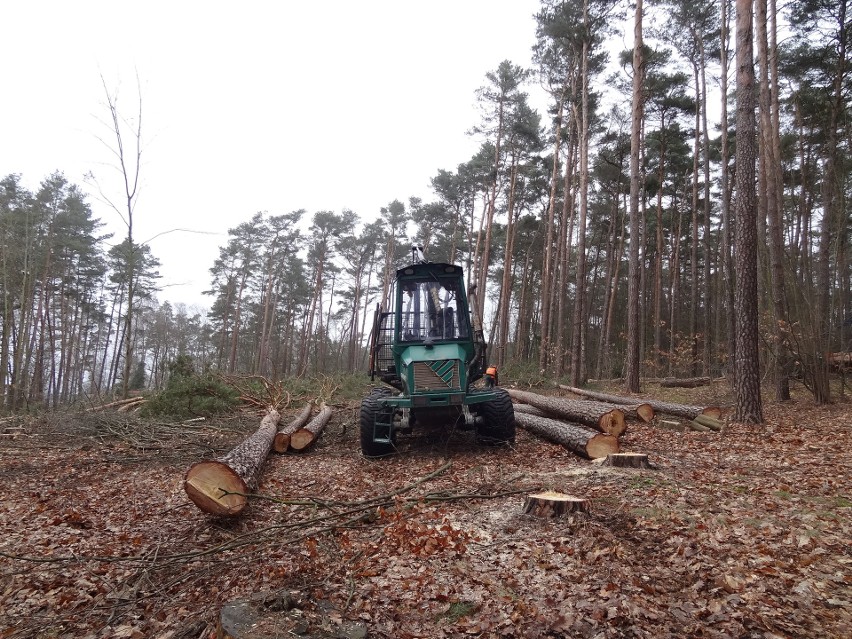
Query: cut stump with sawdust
(551, 504)
(627, 460)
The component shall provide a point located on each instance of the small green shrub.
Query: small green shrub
(190, 394)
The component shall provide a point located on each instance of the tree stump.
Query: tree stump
(552, 504)
(627, 460)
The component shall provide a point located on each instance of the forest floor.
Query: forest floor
(746, 533)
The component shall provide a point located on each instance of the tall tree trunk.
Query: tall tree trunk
(770, 167)
(693, 252)
(749, 407)
(631, 377)
(579, 324)
(708, 302)
(544, 347)
(727, 255)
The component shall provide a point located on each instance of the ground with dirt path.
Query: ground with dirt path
(740, 534)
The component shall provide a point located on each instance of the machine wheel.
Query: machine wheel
(496, 423)
(370, 408)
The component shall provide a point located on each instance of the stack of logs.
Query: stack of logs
(592, 427)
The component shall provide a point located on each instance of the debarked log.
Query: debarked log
(578, 439)
(220, 487)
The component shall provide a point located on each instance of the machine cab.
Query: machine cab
(431, 304)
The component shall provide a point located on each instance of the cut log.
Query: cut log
(526, 409)
(129, 406)
(553, 504)
(709, 422)
(627, 460)
(701, 428)
(219, 487)
(282, 437)
(578, 439)
(304, 437)
(643, 411)
(685, 382)
(676, 410)
(118, 402)
(605, 418)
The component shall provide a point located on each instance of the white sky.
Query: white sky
(251, 106)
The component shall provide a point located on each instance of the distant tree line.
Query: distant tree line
(540, 216)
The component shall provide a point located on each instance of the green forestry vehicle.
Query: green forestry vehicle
(429, 350)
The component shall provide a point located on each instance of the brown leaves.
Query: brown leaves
(739, 534)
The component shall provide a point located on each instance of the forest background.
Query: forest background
(541, 216)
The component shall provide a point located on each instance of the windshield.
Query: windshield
(429, 310)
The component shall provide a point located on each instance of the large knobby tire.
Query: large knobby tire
(496, 423)
(370, 408)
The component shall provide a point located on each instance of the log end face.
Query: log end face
(601, 446)
(712, 411)
(211, 484)
(613, 423)
(301, 440)
(281, 443)
(645, 412)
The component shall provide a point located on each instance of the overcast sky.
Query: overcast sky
(251, 106)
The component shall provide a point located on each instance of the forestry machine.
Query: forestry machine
(430, 350)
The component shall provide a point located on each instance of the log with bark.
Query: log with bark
(642, 412)
(582, 441)
(684, 382)
(304, 437)
(553, 504)
(676, 410)
(709, 422)
(700, 428)
(530, 410)
(282, 437)
(116, 404)
(605, 418)
(220, 486)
